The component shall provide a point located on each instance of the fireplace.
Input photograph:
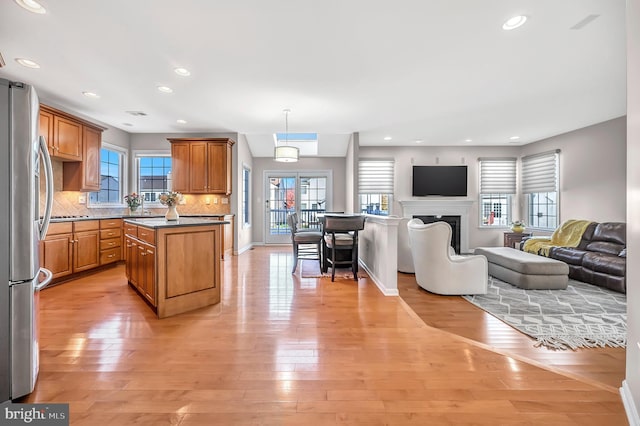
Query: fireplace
(454, 221)
(443, 208)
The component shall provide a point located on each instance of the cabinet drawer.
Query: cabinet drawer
(111, 255)
(147, 235)
(110, 233)
(60, 228)
(131, 230)
(86, 225)
(110, 243)
(110, 223)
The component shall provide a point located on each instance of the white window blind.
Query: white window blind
(375, 176)
(540, 172)
(497, 175)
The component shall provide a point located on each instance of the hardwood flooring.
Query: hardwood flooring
(285, 350)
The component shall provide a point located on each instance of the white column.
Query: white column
(378, 252)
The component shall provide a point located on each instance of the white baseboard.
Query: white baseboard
(629, 405)
(379, 284)
(243, 249)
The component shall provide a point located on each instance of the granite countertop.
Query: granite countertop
(147, 216)
(161, 222)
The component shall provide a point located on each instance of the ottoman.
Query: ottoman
(525, 270)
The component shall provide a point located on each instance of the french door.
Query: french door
(304, 193)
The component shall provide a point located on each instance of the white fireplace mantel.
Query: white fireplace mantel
(411, 208)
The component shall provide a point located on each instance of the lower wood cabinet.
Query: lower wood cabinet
(71, 247)
(140, 258)
(110, 241)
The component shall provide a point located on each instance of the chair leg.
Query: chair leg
(295, 258)
(320, 255)
(333, 264)
(354, 262)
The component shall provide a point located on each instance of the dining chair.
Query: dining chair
(306, 244)
(341, 235)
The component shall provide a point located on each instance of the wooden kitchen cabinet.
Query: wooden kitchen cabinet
(110, 241)
(71, 247)
(201, 165)
(77, 142)
(140, 258)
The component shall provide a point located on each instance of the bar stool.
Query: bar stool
(341, 234)
(306, 244)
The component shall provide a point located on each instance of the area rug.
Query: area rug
(582, 316)
(310, 269)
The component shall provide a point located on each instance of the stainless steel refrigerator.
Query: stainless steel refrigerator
(21, 153)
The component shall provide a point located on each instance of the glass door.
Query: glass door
(304, 193)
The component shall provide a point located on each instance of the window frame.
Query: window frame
(368, 193)
(499, 179)
(124, 158)
(137, 156)
(246, 196)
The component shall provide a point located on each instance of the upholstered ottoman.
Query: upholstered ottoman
(525, 270)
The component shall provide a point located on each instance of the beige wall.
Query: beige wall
(631, 387)
(351, 174)
(592, 171)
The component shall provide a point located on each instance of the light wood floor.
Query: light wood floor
(285, 350)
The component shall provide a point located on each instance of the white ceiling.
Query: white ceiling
(440, 71)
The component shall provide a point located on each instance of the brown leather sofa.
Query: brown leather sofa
(600, 258)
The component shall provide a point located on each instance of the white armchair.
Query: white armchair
(437, 270)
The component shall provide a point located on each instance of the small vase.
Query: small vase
(133, 211)
(172, 213)
(517, 228)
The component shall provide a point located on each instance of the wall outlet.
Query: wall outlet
(82, 199)
(215, 200)
(207, 201)
(225, 201)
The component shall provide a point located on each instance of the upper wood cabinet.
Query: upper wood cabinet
(76, 142)
(201, 165)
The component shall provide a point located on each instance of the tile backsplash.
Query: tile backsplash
(66, 203)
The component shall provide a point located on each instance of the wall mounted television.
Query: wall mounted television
(447, 181)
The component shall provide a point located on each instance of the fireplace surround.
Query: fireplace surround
(439, 209)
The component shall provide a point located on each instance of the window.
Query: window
(375, 186)
(112, 178)
(540, 184)
(154, 175)
(246, 193)
(497, 187)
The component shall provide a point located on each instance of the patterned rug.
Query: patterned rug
(582, 316)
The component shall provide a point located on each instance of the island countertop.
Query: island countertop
(161, 222)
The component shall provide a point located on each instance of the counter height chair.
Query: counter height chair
(306, 244)
(341, 234)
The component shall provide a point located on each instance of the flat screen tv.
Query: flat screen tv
(447, 181)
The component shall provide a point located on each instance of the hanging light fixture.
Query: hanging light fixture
(285, 153)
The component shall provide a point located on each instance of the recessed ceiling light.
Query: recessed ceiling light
(468, 140)
(127, 124)
(91, 95)
(27, 63)
(165, 89)
(182, 72)
(181, 121)
(514, 138)
(31, 6)
(419, 141)
(387, 138)
(515, 22)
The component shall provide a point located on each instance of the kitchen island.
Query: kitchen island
(174, 265)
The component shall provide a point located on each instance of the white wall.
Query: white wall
(351, 167)
(242, 157)
(592, 171)
(260, 164)
(631, 387)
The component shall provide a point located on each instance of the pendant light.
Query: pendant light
(285, 153)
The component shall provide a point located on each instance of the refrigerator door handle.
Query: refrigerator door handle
(46, 281)
(44, 150)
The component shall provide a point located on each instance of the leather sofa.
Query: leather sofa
(600, 258)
